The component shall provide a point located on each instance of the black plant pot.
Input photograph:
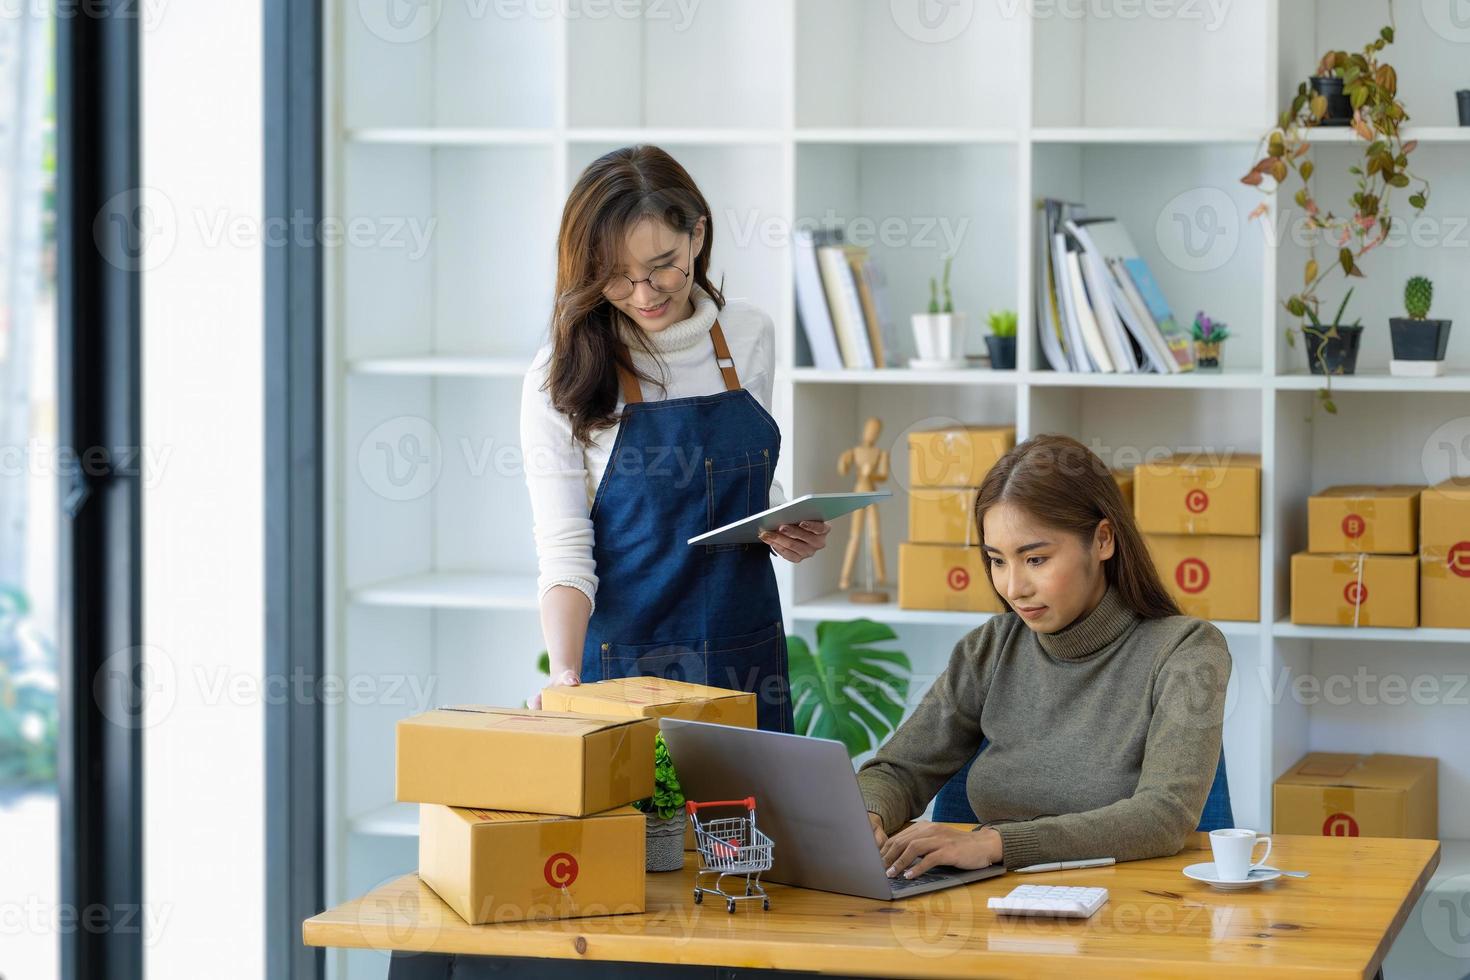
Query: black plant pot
(1339, 106)
(1340, 353)
(1419, 340)
(1462, 102)
(1002, 352)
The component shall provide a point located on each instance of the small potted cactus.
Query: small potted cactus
(1002, 339)
(1418, 342)
(939, 334)
(1208, 336)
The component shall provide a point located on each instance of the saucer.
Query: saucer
(1206, 872)
(938, 364)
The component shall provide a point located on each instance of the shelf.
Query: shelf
(1375, 379)
(443, 365)
(876, 134)
(452, 590)
(393, 820)
(1142, 137)
(1424, 134)
(711, 136)
(1286, 630)
(450, 136)
(902, 376)
(1242, 378)
(836, 605)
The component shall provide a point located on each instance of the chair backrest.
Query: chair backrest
(952, 805)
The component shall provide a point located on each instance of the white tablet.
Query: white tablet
(811, 507)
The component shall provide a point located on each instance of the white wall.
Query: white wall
(204, 866)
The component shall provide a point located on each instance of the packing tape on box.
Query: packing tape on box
(1335, 800)
(1367, 509)
(557, 840)
(620, 771)
(1353, 566)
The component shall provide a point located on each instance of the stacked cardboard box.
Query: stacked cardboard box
(1201, 518)
(1340, 794)
(1444, 555)
(1360, 567)
(523, 813)
(655, 697)
(941, 566)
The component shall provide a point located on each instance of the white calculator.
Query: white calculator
(1067, 901)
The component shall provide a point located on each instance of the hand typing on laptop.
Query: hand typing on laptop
(932, 844)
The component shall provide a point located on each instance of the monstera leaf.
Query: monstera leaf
(848, 691)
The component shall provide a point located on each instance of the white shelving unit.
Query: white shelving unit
(472, 127)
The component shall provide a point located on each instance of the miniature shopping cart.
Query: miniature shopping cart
(729, 847)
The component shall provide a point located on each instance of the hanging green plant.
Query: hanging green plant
(1371, 86)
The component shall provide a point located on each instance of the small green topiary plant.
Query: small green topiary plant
(1002, 323)
(667, 800)
(1418, 295)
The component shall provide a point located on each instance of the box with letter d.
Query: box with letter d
(1444, 556)
(1210, 576)
(1342, 794)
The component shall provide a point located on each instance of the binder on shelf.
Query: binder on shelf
(862, 266)
(845, 306)
(811, 299)
(1100, 296)
(1092, 338)
(1116, 248)
(1049, 320)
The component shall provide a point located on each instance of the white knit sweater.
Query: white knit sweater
(563, 476)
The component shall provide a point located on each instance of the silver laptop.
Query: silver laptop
(806, 799)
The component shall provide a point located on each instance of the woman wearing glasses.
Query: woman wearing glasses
(644, 422)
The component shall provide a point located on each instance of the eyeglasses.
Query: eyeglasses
(663, 278)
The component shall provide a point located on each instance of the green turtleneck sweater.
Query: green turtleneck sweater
(1103, 736)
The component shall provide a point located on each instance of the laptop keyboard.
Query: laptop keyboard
(939, 873)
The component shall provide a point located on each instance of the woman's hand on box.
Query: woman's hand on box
(567, 678)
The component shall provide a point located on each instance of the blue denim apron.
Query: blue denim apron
(707, 614)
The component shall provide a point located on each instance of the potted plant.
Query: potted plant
(1002, 339)
(1339, 108)
(1332, 348)
(665, 810)
(1382, 168)
(939, 335)
(1208, 336)
(1418, 342)
(847, 690)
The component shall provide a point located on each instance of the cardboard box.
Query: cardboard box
(519, 759)
(501, 866)
(1444, 556)
(938, 576)
(1195, 494)
(1333, 794)
(654, 697)
(1124, 479)
(1210, 576)
(1354, 590)
(1382, 520)
(957, 456)
(943, 515)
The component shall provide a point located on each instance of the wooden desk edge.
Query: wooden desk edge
(318, 931)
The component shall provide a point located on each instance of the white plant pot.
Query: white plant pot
(939, 336)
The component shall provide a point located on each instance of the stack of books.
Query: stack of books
(1098, 307)
(841, 301)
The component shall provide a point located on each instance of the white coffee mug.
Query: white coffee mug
(1234, 849)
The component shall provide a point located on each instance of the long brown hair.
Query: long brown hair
(615, 191)
(1063, 484)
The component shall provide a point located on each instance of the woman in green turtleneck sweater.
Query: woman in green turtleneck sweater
(1101, 702)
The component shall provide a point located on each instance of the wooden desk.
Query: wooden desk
(1339, 922)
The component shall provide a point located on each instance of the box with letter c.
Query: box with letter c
(939, 576)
